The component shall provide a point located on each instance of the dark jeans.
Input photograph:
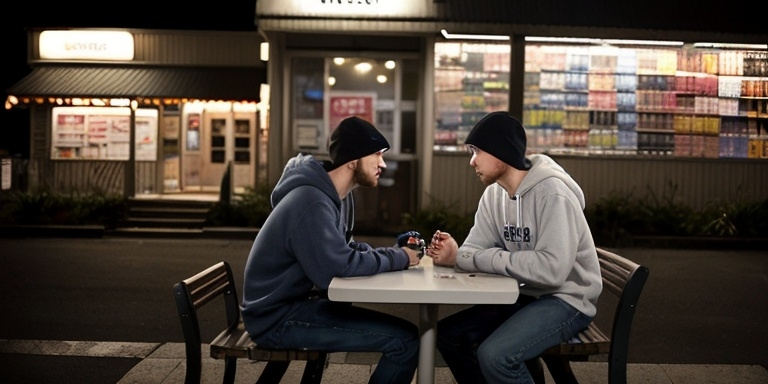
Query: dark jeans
(491, 343)
(341, 327)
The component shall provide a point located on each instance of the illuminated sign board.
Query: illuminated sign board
(86, 45)
(347, 8)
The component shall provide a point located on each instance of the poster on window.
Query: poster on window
(146, 138)
(193, 132)
(345, 104)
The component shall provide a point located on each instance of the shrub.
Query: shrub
(45, 207)
(249, 209)
(735, 218)
(439, 216)
(616, 218)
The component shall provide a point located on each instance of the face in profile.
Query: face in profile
(487, 167)
(369, 169)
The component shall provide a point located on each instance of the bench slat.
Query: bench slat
(233, 342)
(624, 279)
(238, 344)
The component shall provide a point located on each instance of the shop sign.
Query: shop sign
(86, 45)
(344, 104)
(380, 9)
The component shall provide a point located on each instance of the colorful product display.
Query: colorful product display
(685, 102)
(681, 102)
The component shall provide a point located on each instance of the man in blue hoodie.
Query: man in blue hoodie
(306, 241)
(529, 225)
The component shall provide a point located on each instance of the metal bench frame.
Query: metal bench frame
(233, 342)
(625, 280)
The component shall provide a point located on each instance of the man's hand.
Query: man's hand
(443, 249)
(414, 256)
(414, 245)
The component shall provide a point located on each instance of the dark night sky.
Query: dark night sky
(237, 15)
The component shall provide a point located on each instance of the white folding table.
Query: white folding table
(429, 286)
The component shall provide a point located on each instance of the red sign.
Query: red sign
(343, 105)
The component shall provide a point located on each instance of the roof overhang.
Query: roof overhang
(48, 83)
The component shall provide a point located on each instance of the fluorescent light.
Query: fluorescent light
(264, 51)
(585, 40)
(576, 40)
(643, 42)
(460, 36)
(730, 45)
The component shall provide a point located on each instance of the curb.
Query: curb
(249, 233)
(81, 231)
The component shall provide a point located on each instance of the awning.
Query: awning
(134, 82)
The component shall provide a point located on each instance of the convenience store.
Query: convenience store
(624, 99)
(621, 95)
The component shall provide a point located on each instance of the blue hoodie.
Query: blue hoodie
(302, 246)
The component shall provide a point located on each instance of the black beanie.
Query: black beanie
(502, 136)
(354, 138)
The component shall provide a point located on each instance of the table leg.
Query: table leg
(427, 338)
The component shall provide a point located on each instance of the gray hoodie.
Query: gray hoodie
(539, 236)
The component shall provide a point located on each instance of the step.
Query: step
(161, 212)
(157, 222)
(173, 233)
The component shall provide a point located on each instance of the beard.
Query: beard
(363, 179)
(491, 177)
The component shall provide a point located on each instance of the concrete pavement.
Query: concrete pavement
(167, 362)
(710, 349)
(163, 363)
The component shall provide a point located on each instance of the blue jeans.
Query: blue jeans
(491, 343)
(341, 327)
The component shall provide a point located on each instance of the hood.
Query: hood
(303, 170)
(543, 168)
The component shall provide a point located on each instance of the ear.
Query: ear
(353, 164)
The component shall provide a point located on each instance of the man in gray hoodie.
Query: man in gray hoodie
(529, 225)
(306, 241)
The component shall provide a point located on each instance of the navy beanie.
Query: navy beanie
(501, 135)
(353, 139)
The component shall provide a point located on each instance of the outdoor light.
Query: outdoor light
(460, 36)
(585, 40)
(730, 46)
(264, 51)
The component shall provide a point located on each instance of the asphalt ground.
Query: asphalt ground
(705, 306)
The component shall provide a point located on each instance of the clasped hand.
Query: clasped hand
(443, 249)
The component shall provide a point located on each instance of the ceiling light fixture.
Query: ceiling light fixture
(661, 43)
(460, 36)
(586, 40)
(730, 45)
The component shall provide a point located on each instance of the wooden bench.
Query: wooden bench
(623, 279)
(233, 342)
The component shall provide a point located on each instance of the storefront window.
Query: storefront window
(470, 81)
(686, 102)
(326, 90)
(102, 133)
(614, 99)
